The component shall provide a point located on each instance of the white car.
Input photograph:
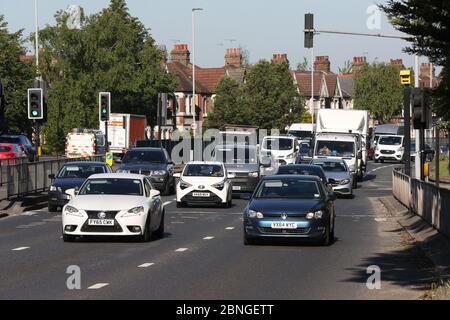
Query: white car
(112, 204)
(389, 148)
(206, 183)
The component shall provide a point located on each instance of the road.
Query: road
(202, 256)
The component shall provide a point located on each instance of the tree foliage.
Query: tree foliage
(268, 99)
(378, 90)
(428, 24)
(114, 52)
(304, 66)
(16, 77)
(347, 68)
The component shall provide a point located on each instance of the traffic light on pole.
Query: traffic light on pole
(104, 105)
(35, 104)
(309, 30)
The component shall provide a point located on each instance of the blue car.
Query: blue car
(290, 206)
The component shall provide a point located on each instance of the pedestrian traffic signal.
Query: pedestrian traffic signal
(35, 104)
(309, 30)
(104, 105)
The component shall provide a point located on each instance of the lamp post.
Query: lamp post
(193, 69)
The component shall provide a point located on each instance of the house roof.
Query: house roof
(346, 84)
(303, 80)
(331, 82)
(210, 77)
(184, 77)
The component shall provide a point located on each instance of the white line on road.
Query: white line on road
(181, 249)
(146, 265)
(380, 219)
(186, 217)
(208, 238)
(177, 222)
(167, 203)
(98, 286)
(383, 167)
(20, 248)
(229, 228)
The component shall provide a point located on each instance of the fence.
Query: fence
(424, 199)
(25, 178)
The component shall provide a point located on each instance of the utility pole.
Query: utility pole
(38, 77)
(405, 79)
(193, 109)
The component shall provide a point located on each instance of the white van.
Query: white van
(389, 148)
(85, 143)
(283, 148)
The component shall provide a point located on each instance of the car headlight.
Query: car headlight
(134, 212)
(219, 185)
(53, 188)
(253, 174)
(252, 214)
(184, 184)
(314, 215)
(159, 172)
(346, 181)
(290, 156)
(69, 210)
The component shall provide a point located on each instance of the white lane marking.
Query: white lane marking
(181, 249)
(20, 248)
(30, 213)
(177, 222)
(167, 203)
(383, 167)
(208, 238)
(186, 217)
(146, 265)
(98, 286)
(380, 219)
(229, 228)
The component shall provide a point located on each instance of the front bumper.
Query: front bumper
(121, 225)
(306, 229)
(244, 183)
(384, 156)
(216, 196)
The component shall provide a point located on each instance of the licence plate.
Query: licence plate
(101, 222)
(237, 188)
(284, 225)
(201, 194)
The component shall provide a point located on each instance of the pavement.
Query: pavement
(202, 256)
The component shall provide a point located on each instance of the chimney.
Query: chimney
(181, 54)
(322, 63)
(279, 57)
(397, 63)
(233, 58)
(358, 63)
(425, 69)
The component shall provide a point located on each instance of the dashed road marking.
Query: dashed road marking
(380, 168)
(229, 228)
(177, 222)
(20, 248)
(98, 286)
(167, 203)
(380, 219)
(186, 217)
(208, 238)
(146, 265)
(181, 249)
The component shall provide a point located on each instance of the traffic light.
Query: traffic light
(309, 30)
(422, 116)
(35, 104)
(104, 105)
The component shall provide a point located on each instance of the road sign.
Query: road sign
(109, 159)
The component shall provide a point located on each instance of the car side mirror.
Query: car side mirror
(177, 175)
(52, 176)
(231, 175)
(72, 193)
(154, 193)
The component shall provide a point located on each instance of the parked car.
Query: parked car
(152, 162)
(112, 204)
(11, 152)
(23, 142)
(205, 183)
(290, 206)
(338, 175)
(71, 175)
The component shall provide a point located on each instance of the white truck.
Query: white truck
(124, 130)
(343, 134)
(303, 131)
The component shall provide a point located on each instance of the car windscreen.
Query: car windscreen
(282, 144)
(110, 186)
(390, 141)
(331, 166)
(203, 170)
(5, 149)
(82, 172)
(288, 189)
(144, 156)
(300, 171)
(10, 140)
(336, 148)
(235, 155)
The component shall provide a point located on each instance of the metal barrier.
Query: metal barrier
(32, 177)
(424, 199)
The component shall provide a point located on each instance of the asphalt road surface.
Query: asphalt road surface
(202, 256)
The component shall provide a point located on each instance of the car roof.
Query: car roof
(230, 146)
(117, 176)
(301, 166)
(84, 163)
(329, 160)
(206, 162)
(290, 176)
(146, 149)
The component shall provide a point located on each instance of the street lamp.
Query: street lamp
(193, 69)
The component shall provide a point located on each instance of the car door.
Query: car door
(155, 205)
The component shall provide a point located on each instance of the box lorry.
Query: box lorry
(343, 134)
(303, 131)
(124, 130)
(82, 142)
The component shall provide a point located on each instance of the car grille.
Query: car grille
(94, 215)
(241, 174)
(290, 215)
(144, 172)
(387, 151)
(285, 231)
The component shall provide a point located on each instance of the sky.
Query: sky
(263, 27)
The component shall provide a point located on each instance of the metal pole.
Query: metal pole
(379, 35)
(193, 74)
(312, 87)
(407, 124)
(36, 34)
(418, 157)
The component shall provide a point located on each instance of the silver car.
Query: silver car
(338, 175)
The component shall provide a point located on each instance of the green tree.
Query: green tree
(378, 90)
(428, 22)
(347, 68)
(304, 66)
(112, 52)
(16, 76)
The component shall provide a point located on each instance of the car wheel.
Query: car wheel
(332, 232)
(327, 238)
(147, 232)
(52, 208)
(173, 189)
(376, 160)
(382, 161)
(167, 189)
(249, 241)
(230, 203)
(68, 237)
(159, 233)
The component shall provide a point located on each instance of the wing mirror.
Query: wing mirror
(72, 193)
(154, 193)
(177, 175)
(52, 176)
